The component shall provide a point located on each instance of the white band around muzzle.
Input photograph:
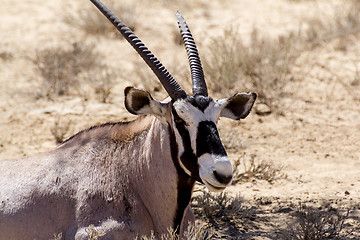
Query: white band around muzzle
(214, 163)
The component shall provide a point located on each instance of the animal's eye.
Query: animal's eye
(179, 121)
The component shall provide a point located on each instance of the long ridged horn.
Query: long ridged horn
(169, 83)
(197, 74)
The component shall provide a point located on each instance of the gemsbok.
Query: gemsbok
(127, 179)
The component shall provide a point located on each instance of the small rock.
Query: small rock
(262, 109)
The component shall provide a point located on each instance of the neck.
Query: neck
(175, 186)
(147, 149)
(185, 183)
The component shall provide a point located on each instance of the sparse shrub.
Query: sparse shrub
(263, 66)
(102, 81)
(226, 214)
(313, 223)
(90, 20)
(192, 233)
(199, 232)
(60, 68)
(60, 129)
(255, 169)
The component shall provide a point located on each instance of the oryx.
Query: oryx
(127, 178)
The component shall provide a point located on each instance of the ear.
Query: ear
(140, 102)
(238, 106)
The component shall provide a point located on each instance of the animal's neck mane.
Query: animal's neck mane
(118, 131)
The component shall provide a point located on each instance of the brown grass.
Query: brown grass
(60, 129)
(60, 68)
(249, 168)
(227, 215)
(263, 66)
(69, 71)
(196, 232)
(102, 81)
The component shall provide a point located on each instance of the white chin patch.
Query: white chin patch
(214, 163)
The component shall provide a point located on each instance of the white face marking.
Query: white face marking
(208, 163)
(181, 151)
(193, 116)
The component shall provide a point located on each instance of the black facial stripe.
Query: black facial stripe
(200, 102)
(185, 184)
(208, 140)
(188, 158)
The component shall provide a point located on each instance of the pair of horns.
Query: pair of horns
(169, 83)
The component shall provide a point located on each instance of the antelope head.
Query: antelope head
(192, 117)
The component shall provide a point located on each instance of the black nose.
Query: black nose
(222, 178)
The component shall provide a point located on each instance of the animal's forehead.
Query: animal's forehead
(199, 102)
(195, 108)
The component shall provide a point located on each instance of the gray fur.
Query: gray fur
(120, 185)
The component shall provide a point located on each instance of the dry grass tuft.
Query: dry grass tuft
(60, 68)
(94, 233)
(263, 66)
(227, 215)
(320, 223)
(60, 129)
(91, 21)
(102, 80)
(68, 71)
(192, 233)
(255, 169)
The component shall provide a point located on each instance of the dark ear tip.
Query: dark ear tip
(254, 95)
(127, 90)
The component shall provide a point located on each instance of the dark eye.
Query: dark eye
(179, 121)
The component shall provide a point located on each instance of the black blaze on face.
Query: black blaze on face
(208, 140)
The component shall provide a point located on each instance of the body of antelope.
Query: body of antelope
(127, 179)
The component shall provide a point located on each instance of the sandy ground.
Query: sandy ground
(315, 139)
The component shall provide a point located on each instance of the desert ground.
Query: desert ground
(306, 129)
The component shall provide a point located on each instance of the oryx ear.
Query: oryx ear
(140, 102)
(238, 106)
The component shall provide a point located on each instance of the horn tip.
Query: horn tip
(179, 17)
(181, 21)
